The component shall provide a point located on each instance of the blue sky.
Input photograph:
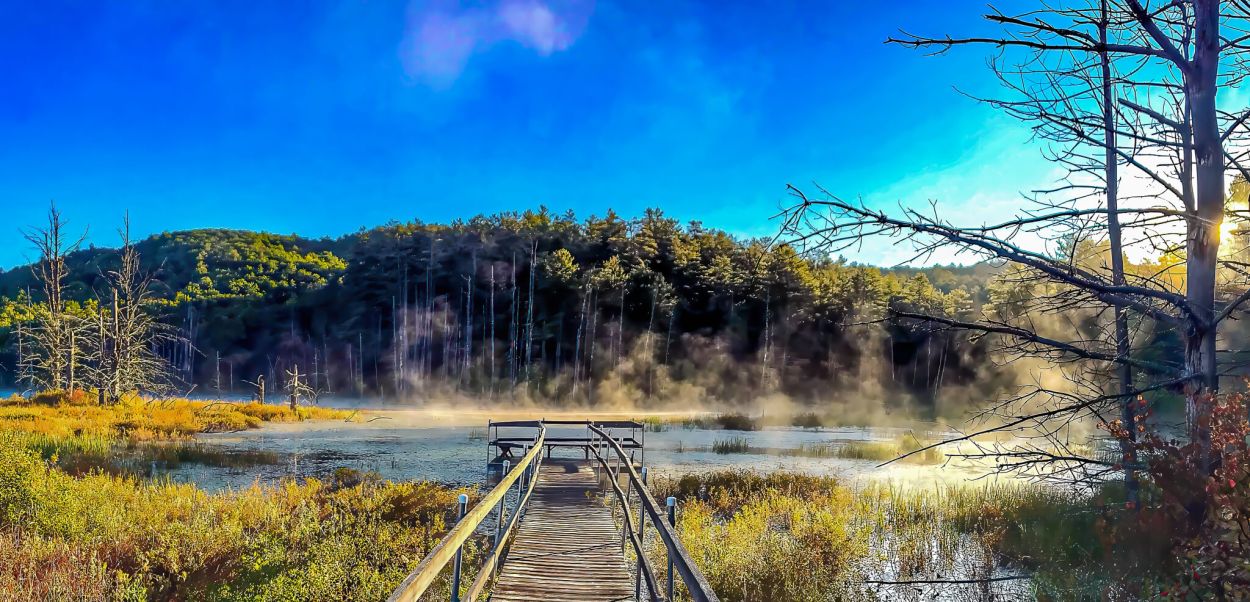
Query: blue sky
(323, 117)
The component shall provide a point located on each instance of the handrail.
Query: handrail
(420, 579)
(492, 563)
(634, 424)
(696, 583)
(647, 572)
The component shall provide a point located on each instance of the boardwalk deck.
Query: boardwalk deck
(567, 546)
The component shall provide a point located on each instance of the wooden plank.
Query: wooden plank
(567, 546)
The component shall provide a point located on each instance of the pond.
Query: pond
(451, 447)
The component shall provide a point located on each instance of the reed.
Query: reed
(785, 536)
(736, 445)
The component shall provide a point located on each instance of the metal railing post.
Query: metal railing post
(616, 476)
(516, 504)
(642, 524)
(455, 575)
(672, 522)
(503, 506)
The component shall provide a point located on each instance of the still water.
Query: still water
(451, 447)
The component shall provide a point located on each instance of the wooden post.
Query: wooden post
(642, 524)
(455, 575)
(294, 399)
(503, 506)
(672, 522)
(644, 445)
(593, 443)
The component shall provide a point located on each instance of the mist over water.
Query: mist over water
(451, 446)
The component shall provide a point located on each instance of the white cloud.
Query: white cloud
(441, 38)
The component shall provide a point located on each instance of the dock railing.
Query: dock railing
(523, 475)
(608, 455)
(678, 558)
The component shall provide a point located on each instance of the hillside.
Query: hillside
(632, 308)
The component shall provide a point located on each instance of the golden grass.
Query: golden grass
(136, 436)
(877, 451)
(137, 419)
(786, 536)
(103, 537)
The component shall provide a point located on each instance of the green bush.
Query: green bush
(19, 468)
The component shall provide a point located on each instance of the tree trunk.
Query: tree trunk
(1203, 240)
(1128, 413)
(492, 330)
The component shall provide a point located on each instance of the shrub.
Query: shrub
(18, 472)
(807, 420)
(736, 422)
(1205, 503)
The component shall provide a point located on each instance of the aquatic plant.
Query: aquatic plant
(787, 536)
(878, 451)
(138, 419)
(737, 445)
(884, 451)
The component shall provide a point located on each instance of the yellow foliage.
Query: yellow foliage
(139, 419)
(104, 537)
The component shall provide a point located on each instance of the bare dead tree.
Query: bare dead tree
(297, 388)
(129, 332)
(1084, 78)
(51, 358)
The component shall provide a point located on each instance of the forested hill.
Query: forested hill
(603, 310)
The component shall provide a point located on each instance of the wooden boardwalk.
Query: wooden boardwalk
(567, 546)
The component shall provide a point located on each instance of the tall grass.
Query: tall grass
(789, 536)
(136, 435)
(736, 445)
(139, 419)
(731, 421)
(877, 451)
(103, 537)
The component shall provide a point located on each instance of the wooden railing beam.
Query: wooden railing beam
(696, 583)
(420, 579)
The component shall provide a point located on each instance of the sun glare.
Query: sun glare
(1229, 231)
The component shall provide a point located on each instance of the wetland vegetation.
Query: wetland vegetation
(1079, 371)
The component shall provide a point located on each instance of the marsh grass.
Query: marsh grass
(105, 537)
(139, 437)
(83, 454)
(137, 419)
(785, 536)
(877, 451)
(730, 421)
(736, 445)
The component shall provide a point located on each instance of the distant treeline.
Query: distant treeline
(605, 310)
